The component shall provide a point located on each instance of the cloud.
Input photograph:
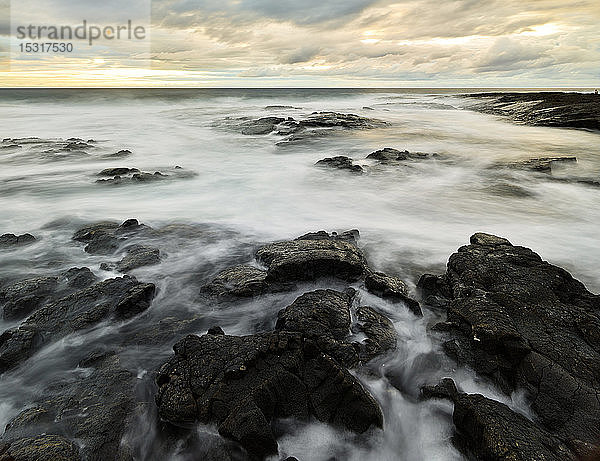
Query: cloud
(381, 41)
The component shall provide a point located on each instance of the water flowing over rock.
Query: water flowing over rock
(118, 299)
(340, 163)
(95, 409)
(243, 383)
(489, 430)
(24, 296)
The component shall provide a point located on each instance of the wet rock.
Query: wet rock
(507, 189)
(242, 383)
(525, 323)
(324, 317)
(117, 171)
(264, 125)
(481, 238)
(139, 256)
(89, 232)
(350, 236)
(237, 281)
(542, 164)
(23, 297)
(392, 289)
(434, 290)
(95, 409)
(310, 258)
(336, 119)
(118, 298)
(12, 240)
(340, 163)
(107, 236)
(573, 110)
(380, 332)
(134, 175)
(42, 447)
(489, 430)
(389, 154)
(120, 154)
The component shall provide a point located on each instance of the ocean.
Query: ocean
(249, 189)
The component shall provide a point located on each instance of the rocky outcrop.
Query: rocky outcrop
(489, 430)
(243, 383)
(309, 258)
(526, 323)
(390, 155)
(24, 296)
(340, 163)
(118, 299)
(572, 110)
(124, 175)
(12, 240)
(324, 317)
(315, 124)
(108, 237)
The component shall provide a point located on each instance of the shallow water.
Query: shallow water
(253, 189)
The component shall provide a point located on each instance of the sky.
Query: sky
(311, 43)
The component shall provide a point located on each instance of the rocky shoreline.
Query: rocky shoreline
(519, 322)
(554, 109)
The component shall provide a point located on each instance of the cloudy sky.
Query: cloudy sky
(250, 43)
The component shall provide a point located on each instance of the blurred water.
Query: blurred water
(250, 190)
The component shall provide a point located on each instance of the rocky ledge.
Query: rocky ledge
(243, 383)
(570, 110)
(524, 324)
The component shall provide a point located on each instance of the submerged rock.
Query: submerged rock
(264, 125)
(527, 324)
(391, 288)
(237, 281)
(117, 171)
(93, 409)
(12, 240)
(139, 256)
(341, 163)
(491, 431)
(118, 299)
(542, 164)
(379, 330)
(122, 175)
(107, 236)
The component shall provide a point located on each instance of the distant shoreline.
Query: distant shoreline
(551, 108)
